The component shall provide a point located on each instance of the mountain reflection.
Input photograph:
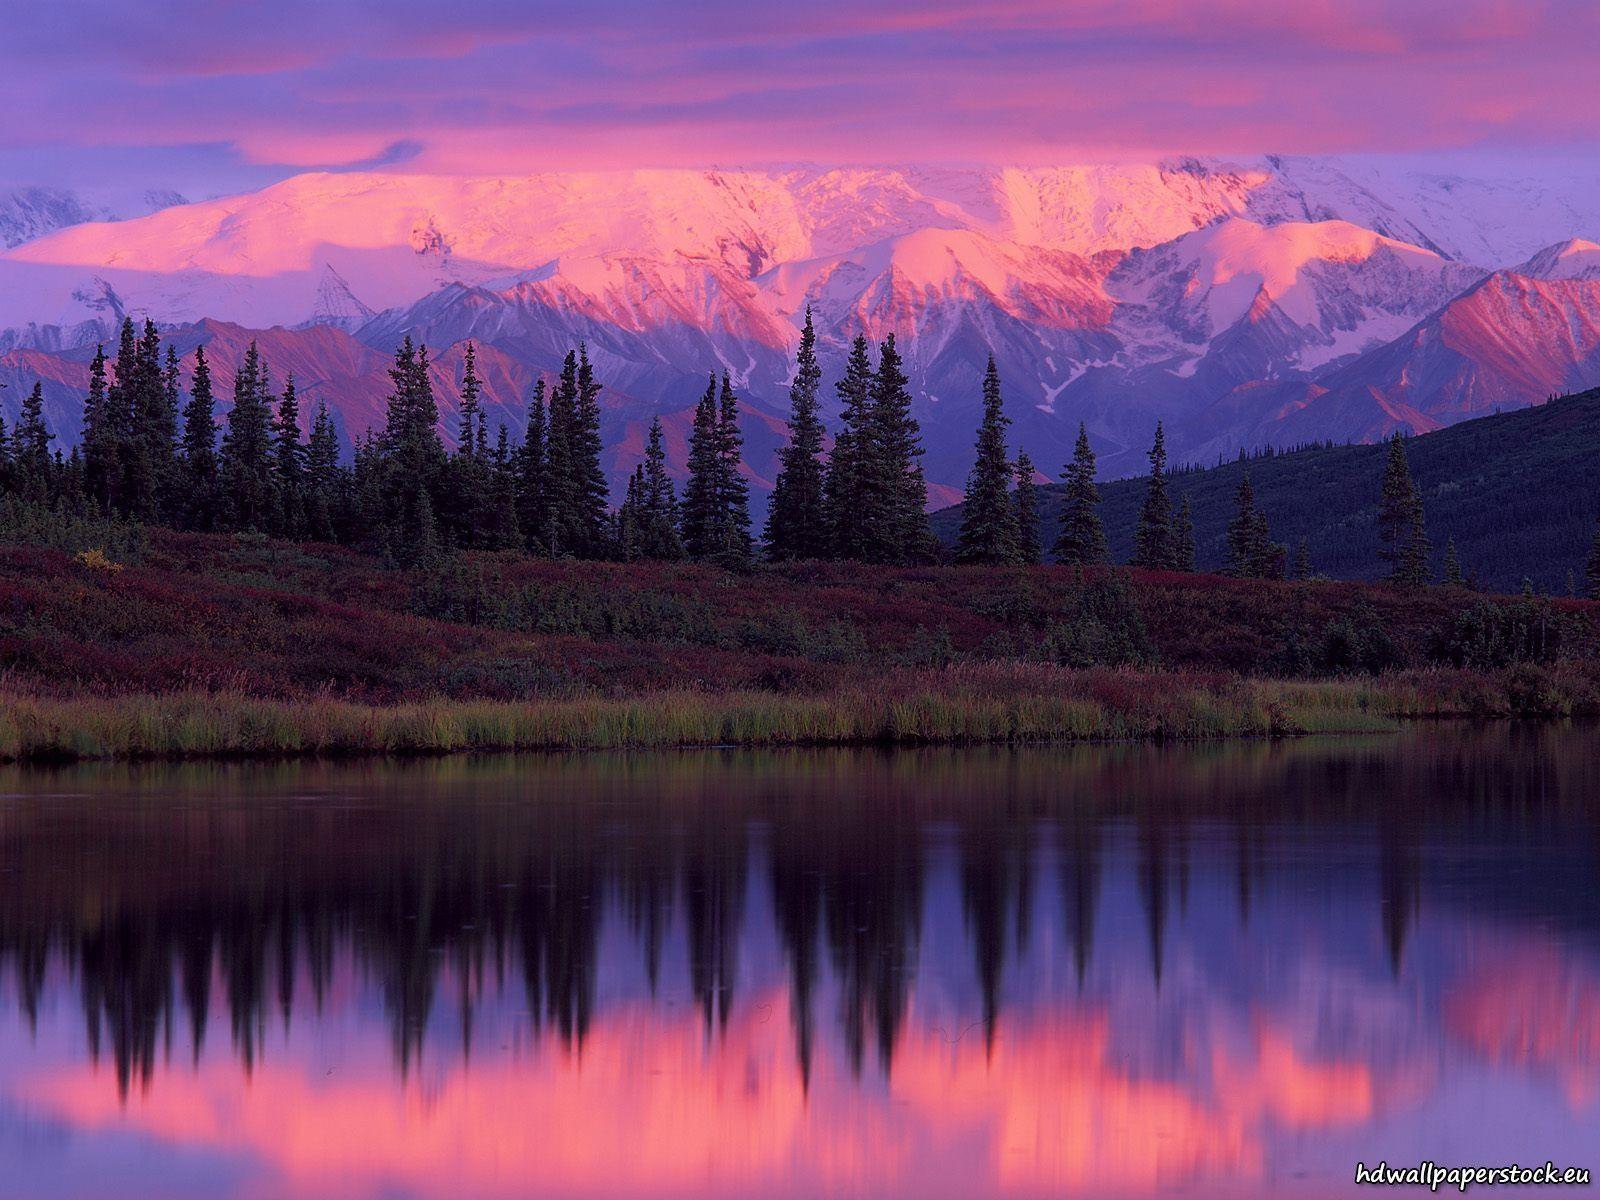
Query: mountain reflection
(1114, 967)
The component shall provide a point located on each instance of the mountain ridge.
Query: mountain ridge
(1271, 302)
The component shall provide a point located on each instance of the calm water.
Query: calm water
(1228, 971)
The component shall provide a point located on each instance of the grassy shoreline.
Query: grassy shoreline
(215, 647)
(959, 707)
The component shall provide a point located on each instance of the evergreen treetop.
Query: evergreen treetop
(245, 468)
(989, 529)
(1183, 548)
(1152, 538)
(896, 497)
(1026, 496)
(1082, 539)
(797, 524)
(1400, 522)
(849, 484)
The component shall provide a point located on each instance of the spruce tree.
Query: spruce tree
(898, 530)
(716, 515)
(1453, 576)
(1246, 554)
(625, 525)
(168, 439)
(69, 493)
(323, 478)
(411, 417)
(701, 494)
(989, 530)
(847, 486)
(1302, 560)
(735, 508)
(1274, 560)
(1026, 500)
(586, 493)
(150, 438)
(481, 449)
(245, 475)
(31, 465)
(1082, 539)
(413, 458)
(199, 448)
(1591, 568)
(121, 405)
(531, 462)
(365, 512)
(797, 525)
(1183, 549)
(423, 545)
(563, 506)
(658, 503)
(1400, 521)
(467, 434)
(288, 467)
(469, 475)
(1152, 537)
(501, 530)
(102, 452)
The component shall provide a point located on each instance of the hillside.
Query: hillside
(291, 620)
(1519, 493)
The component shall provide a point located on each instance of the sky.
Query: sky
(212, 96)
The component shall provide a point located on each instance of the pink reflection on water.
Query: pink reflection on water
(652, 1106)
(1532, 1010)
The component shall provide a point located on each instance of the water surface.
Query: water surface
(1118, 971)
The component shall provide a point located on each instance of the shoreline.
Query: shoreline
(1088, 708)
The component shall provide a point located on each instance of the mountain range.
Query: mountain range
(1278, 302)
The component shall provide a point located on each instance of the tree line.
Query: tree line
(999, 522)
(149, 453)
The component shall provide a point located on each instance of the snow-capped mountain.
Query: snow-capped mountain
(32, 212)
(1571, 259)
(1240, 303)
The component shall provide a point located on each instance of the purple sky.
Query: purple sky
(212, 95)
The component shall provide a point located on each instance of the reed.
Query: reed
(959, 706)
(963, 704)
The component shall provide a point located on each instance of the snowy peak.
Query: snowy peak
(890, 286)
(32, 212)
(1347, 288)
(1231, 261)
(1571, 259)
(935, 234)
(336, 304)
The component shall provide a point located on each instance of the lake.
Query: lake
(1229, 970)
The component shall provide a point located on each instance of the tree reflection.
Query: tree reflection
(172, 897)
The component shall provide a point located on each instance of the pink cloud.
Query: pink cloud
(505, 86)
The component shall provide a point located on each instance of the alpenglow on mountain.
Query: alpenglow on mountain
(1274, 302)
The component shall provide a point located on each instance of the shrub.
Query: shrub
(55, 528)
(96, 560)
(1105, 629)
(1296, 655)
(1357, 643)
(1489, 635)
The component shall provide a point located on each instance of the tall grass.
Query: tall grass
(1008, 703)
(212, 724)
